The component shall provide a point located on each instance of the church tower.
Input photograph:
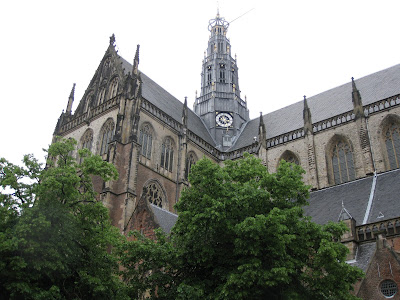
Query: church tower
(219, 104)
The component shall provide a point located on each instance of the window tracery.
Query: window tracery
(86, 142)
(190, 161)
(146, 140)
(113, 88)
(88, 101)
(392, 142)
(342, 162)
(101, 96)
(155, 195)
(167, 155)
(106, 135)
(290, 157)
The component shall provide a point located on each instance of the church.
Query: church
(347, 139)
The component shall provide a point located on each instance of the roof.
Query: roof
(374, 87)
(164, 218)
(363, 256)
(326, 205)
(167, 103)
(386, 201)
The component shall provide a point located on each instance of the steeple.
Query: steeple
(70, 100)
(357, 102)
(307, 118)
(219, 104)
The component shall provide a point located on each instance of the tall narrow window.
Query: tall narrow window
(88, 101)
(106, 135)
(222, 76)
(190, 161)
(86, 142)
(342, 163)
(146, 139)
(113, 88)
(392, 141)
(101, 96)
(167, 155)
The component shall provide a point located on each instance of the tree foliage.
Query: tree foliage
(55, 238)
(241, 234)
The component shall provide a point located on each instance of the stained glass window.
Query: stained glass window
(342, 163)
(167, 155)
(146, 139)
(392, 141)
(106, 134)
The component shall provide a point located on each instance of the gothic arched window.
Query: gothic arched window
(392, 142)
(88, 101)
(167, 155)
(342, 162)
(106, 135)
(101, 95)
(290, 157)
(146, 140)
(155, 194)
(86, 141)
(113, 88)
(190, 161)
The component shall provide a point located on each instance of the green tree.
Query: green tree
(55, 238)
(241, 234)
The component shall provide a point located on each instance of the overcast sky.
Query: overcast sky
(285, 49)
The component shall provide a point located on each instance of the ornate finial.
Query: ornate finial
(218, 21)
(353, 83)
(136, 61)
(71, 95)
(112, 39)
(71, 99)
(307, 117)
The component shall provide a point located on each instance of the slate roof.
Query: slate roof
(325, 205)
(374, 87)
(363, 256)
(386, 197)
(167, 103)
(164, 218)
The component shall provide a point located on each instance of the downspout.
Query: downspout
(372, 193)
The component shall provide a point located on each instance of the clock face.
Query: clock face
(224, 119)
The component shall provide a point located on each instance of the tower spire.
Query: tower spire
(71, 100)
(220, 104)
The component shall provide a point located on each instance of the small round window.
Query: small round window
(388, 288)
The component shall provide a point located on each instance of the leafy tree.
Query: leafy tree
(55, 238)
(241, 234)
